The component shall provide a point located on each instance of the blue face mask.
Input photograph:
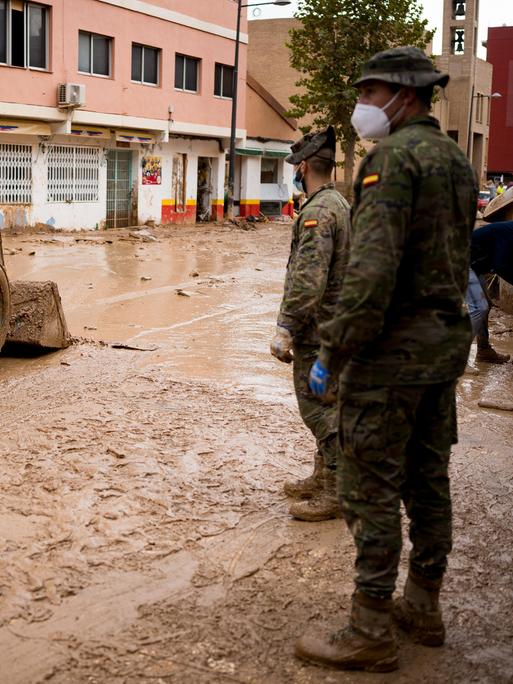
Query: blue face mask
(299, 181)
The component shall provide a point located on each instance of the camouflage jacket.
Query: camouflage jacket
(315, 270)
(401, 318)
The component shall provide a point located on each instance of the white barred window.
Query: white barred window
(15, 174)
(73, 173)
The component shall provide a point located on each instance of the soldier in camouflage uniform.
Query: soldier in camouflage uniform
(399, 340)
(318, 256)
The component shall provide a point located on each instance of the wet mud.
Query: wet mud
(144, 532)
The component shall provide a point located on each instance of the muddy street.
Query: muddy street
(145, 535)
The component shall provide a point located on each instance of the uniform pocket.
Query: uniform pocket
(365, 419)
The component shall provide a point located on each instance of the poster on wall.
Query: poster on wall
(151, 170)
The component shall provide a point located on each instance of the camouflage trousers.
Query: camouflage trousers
(396, 447)
(320, 418)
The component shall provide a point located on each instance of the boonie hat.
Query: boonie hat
(407, 66)
(321, 144)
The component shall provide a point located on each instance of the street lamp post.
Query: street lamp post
(235, 83)
(493, 96)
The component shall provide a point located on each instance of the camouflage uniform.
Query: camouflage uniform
(400, 339)
(315, 270)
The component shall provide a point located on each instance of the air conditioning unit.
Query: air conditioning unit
(70, 95)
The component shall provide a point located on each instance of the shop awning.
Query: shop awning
(248, 152)
(24, 127)
(135, 137)
(276, 153)
(94, 132)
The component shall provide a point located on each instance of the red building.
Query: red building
(500, 54)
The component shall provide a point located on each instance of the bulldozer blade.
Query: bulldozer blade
(37, 318)
(5, 303)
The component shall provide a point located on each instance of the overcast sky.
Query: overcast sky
(491, 13)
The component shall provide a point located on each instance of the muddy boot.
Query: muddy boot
(418, 613)
(366, 644)
(310, 486)
(324, 506)
(489, 355)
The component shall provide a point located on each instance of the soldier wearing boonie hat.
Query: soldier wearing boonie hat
(318, 255)
(321, 144)
(407, 66)
(398, 341)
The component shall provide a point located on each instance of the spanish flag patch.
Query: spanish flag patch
(312, 223)
(371, 179)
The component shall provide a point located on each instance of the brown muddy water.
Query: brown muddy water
(207, 304)
(144, 532)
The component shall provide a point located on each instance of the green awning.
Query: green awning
(248, 152)
(276, 153)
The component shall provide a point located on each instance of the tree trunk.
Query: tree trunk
(348, 149)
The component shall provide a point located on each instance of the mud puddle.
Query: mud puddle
(205, 305)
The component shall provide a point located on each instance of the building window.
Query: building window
(223, 85)
(145, 64)
(269, 170)
(94, 54)
(186, 73)
(73, 174)
(479, 108)
(457, 41)
(15, 174)
(23, 34)
(459, 9)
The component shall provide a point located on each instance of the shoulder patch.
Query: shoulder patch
(312, 223)
(371, 179)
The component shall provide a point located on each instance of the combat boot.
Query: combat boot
(366, 644)
(310, 486)
(418, 612)
(488, 354)
(323, 506)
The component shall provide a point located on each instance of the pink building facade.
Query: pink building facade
(116, 112)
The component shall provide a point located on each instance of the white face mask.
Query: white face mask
(371, 122)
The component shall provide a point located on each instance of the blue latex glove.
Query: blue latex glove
(318, 379)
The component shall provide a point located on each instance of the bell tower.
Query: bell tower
(460, 29)
(469, 89)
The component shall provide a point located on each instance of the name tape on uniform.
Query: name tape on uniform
(371, 179)
(312, 223)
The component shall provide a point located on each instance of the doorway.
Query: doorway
(119, 189)
(204, 196)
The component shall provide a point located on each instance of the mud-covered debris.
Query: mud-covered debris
(134, 347)
(90, 327)
(194, 274)
(32, 253)
(143, 235)
(183, 293)
(146, 278)
(500, 404)
(115, 452)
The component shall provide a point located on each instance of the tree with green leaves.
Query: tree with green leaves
(334, 40)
